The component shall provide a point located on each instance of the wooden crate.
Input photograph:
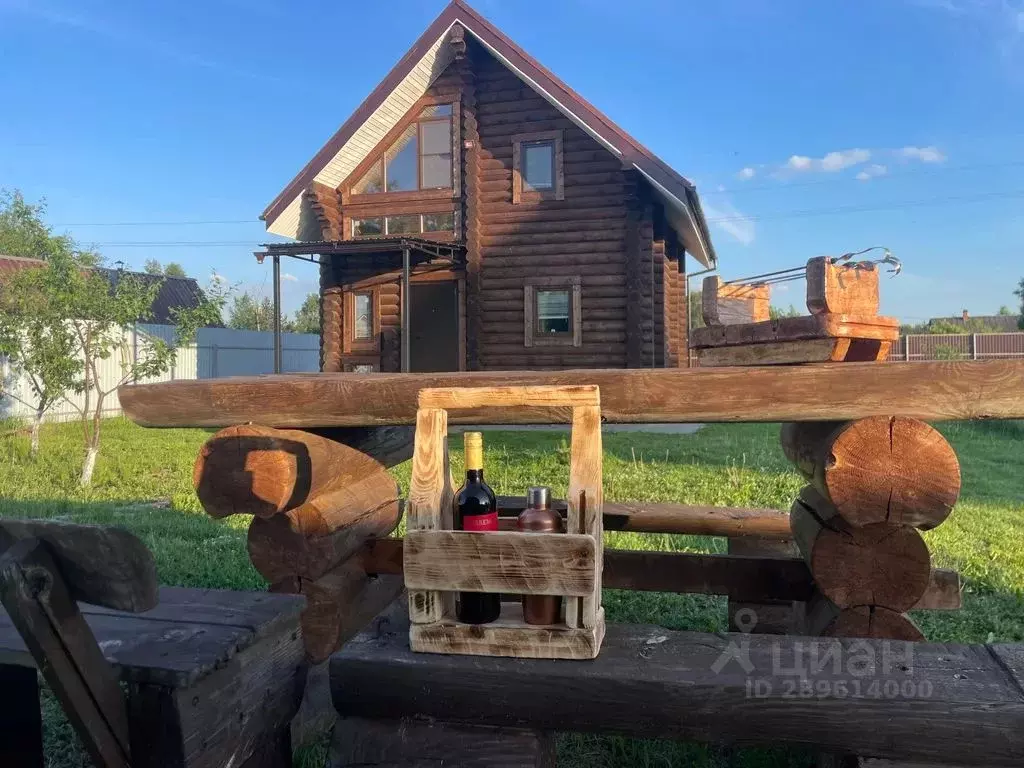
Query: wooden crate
(439, 561)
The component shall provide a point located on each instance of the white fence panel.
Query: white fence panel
(217, 353)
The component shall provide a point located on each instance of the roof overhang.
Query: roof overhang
(411, 78)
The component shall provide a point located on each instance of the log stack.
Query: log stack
(873, 484)
(315, 501)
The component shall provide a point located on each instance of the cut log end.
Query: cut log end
(879, 564)
(879, 469)
(864, 621)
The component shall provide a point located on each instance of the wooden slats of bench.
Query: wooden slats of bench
(190, 633)
(960, 704)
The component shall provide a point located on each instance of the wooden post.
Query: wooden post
(406, 308)
(277, 313)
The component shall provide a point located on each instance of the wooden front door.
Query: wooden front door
(434, 326)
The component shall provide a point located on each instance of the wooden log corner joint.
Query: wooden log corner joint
(438, 562)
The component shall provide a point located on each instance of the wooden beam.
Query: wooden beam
(656, 517)
(745, 578)
(929, 391)
(962, 704)
(101, 565)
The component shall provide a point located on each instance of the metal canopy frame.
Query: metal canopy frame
(307, 250)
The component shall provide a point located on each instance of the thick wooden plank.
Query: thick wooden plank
(797, 329)
(657, 517)
(585, 506)
(776, 353)
(961, 704)
(850, 289)
(411, 743)
(484, 397)
(504, 561)
(745, 578)
(40, 605)
(21, 722)
(101, 565)
(733, 304)
(929, 391)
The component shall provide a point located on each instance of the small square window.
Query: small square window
(537, 172)
(362, 327)
(552, 306)
(538, 165)
(553, 314)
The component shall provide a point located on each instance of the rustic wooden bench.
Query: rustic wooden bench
(931, 703)
(213, 678)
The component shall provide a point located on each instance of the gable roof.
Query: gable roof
(409, 80)
(174, 293)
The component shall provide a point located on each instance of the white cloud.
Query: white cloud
(871, 172)
(930, 154)
(800, 163)
(837, 161)
(723, 215)
(289, 277)
(830, 163)
(746, 173)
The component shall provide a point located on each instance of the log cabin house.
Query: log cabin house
(476, 213)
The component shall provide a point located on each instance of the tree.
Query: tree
(307, 317)
(173, 268)
(776, 312)
(1004, 311)
(99, 312)
(249, 313)
(1019, 293)
(23, 232)
(37, 340)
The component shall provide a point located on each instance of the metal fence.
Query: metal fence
(954, 346)
(217, 352)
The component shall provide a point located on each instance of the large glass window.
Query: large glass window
(420, 158)
(438, 222)
(406, 224)
(368, 227)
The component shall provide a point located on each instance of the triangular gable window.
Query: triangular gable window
(418, 158)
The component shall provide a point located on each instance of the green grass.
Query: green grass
(143, 482)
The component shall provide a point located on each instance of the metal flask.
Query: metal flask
(539, 517)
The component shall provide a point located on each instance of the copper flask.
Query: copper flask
(539, 517)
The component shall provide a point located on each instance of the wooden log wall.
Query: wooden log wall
(583, 235)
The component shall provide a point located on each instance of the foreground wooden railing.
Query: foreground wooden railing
(928, 391)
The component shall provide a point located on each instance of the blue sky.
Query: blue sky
(810, 128)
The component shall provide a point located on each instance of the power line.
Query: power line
(157, 223)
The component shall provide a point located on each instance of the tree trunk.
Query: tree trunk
(37, 422)
(90, 464)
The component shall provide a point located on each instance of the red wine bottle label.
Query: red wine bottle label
(488, 522)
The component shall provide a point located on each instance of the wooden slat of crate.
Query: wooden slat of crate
(586, 505)
(460, 398)
(503, 561)
(508, 636)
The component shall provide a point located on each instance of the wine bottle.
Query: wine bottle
(476, 509)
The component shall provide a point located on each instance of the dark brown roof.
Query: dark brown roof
(175, 292)
(457, 10)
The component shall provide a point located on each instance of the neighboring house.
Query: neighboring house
(174, 293)
(997, 323)
(535, 232)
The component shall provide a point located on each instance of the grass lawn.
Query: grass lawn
(143, 482)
